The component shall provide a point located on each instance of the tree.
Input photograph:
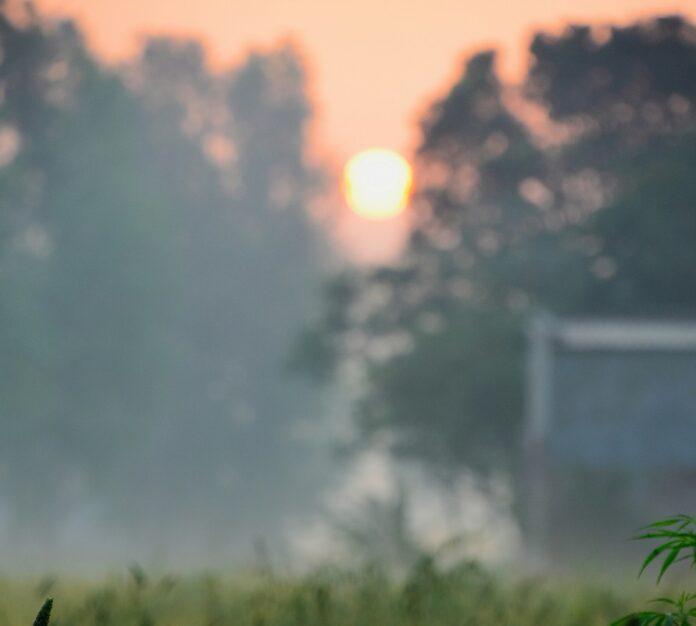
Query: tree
(155, 257)
(83, 287)
(584, 207)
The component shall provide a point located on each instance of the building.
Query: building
(610, 430)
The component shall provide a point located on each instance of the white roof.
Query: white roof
(624, 334)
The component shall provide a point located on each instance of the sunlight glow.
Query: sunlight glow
(377, 183)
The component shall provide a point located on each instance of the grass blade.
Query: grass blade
(44, 614)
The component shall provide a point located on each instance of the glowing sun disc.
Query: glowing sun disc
(377, 183)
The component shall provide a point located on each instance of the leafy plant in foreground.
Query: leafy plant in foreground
(44, 614)
(677, 537)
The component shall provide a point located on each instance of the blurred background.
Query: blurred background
(288, 284)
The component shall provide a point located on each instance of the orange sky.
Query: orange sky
(374, 63)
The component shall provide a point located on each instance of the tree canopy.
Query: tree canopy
(572, 192)
(156, 257)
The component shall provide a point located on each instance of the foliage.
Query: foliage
(676, 538)
(573, 194)
(156, 257)
(43, 617)
(484, 348)
(425, 595)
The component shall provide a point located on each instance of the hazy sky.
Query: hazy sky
(374, 63)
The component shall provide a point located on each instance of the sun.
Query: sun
(377, 183)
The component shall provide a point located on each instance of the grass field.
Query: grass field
(464, 595)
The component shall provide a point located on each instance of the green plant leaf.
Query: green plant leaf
(665, 600)
(665, 522)
(667, 562)
(655, 553)
(44, 614)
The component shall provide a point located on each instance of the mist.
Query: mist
(196, 373)
(157, 259)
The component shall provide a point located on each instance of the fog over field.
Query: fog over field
(200, 369)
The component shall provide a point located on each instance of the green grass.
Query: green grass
(426, 597)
